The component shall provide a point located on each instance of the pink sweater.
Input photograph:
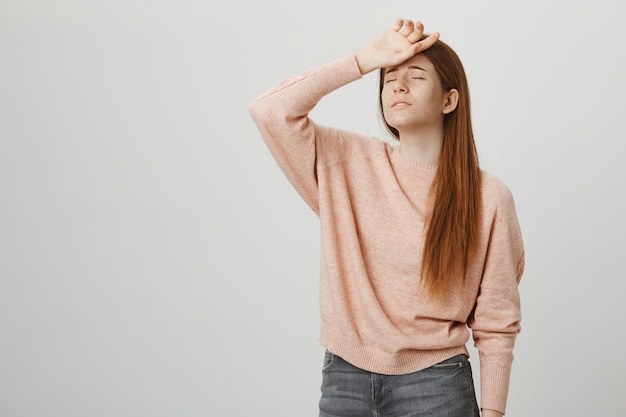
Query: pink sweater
(371, 204)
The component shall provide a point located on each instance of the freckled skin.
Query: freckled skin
(420, 88)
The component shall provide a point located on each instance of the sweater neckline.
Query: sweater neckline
(401, 160)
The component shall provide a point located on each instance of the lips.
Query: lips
(400, 104)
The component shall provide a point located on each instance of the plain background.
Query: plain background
(154, 261)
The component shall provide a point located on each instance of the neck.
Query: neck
(423, 147)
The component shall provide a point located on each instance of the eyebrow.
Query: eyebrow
(410, 67)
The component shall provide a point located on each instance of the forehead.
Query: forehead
(419, 60)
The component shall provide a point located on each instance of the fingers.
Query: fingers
(416, 33)
(427, 43)
(413, 32)
(407, 28)
(398, 25)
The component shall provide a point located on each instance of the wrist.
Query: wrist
(364, 65)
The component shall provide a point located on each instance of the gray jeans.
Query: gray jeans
(443, 390)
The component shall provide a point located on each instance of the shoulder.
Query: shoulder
(495, 193)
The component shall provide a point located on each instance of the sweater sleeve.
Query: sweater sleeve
(496, 319)
(281, 115)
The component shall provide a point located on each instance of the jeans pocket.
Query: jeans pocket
(452, 363)
(328, 360)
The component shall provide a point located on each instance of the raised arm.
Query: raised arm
(281, 114)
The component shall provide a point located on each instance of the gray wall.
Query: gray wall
(155, 262)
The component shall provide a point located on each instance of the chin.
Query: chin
(399, 125)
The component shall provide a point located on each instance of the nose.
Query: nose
(399, 86)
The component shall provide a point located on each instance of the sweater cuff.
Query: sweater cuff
(494, 386)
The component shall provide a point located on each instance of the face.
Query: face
(412, 96)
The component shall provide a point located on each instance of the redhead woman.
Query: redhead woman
(421, 249)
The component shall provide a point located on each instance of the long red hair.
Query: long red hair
(453, 220)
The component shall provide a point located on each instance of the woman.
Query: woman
(418, 244)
